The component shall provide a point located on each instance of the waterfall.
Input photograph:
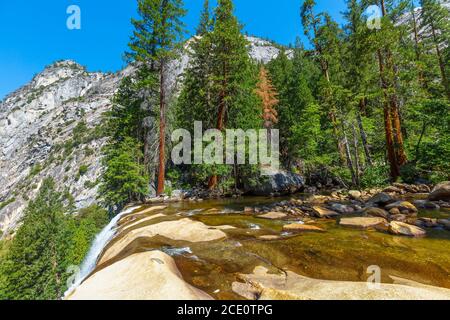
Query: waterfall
(101, 240)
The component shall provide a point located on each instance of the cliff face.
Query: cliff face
(39, 136)
(48, 129)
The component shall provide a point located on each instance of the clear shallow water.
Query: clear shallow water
(338, 254)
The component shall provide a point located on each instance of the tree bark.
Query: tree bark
(213, 180)
(392, 159)
(357, 160)
(349, 158)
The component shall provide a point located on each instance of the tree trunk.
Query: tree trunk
(392, 111)
(363, 134)
(162, 134)
(357, 160)
(349, 158)
(395, 170)
(213, 180)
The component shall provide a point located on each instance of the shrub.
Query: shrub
(83, 170)
(376, 176)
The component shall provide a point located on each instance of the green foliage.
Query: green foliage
(375, 176)
(6, 203)
(125, 179)
(48, 241)
(83, 170)
(35, 170)
(209, 88)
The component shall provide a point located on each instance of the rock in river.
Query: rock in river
(441, 192)
(376, 212)
(403, 206)
(322, 212)
(380, 199)
(298, 227)
(273, 215)
(144, 276)
(404, 229)
(362, 222)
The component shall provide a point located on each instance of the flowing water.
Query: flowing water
(337, 254)
(101, 240)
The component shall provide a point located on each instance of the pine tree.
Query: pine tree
(233, 75)
(35, 264)
(127, 127)
(359, 73)
(155, 41)
(268, 94)
(195, 100)
(299, 116)
(125, 179)
(323, 34)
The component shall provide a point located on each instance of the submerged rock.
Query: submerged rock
(261, 285)
(273, 216)
(298, 227)
(404, 229)
(269, 237)
(143, 276)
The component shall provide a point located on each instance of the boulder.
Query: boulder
(322, 212)
(278, 183)
(362, 222)
(341, 208)
(404, 229)
(424, 204)
(273, 216)
(427, 223)
(381, 198)
(144, 276)
(394, 212)
(392, 189)
(298, 227)
(403, 206)
(445, 223)
(440, 192)
(399, 217)
(288, 285)
(376, 212)
(355, 194)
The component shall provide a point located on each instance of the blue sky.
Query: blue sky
(33, 34)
